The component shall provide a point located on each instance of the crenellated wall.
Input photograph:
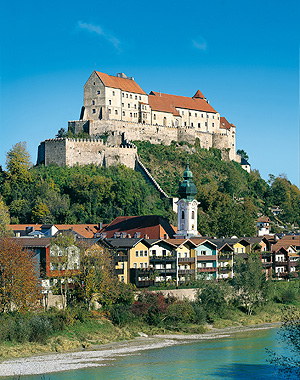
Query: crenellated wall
(70, 152)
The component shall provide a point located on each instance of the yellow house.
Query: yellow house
(131, 258)
(242, 246)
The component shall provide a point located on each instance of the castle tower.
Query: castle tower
(187, 206)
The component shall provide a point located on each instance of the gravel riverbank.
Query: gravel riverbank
(101, 355)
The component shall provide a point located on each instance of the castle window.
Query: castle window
(206, 123)
(94, 83)
(126, 95)
(199, 125)
(190, 114)
(207, 115)
(109, 102)
(213, 124)
(128, 105)
(154, 117)
(135, 106)
(140, 98)
(218, 118)
(93, 102)
(123, 113)
(182, 214)
(135, 97)
(213, 116)
(98, 92)
(185, 123)
(122, 104)
(116, 112)
(182, 112)
(123, 94)
(202, 115)
(94, 111)
(195, 114)
(109, 111)
(130, 96)
(130, 114)
(192, 124)
(113, 93)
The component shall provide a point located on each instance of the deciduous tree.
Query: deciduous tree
(19, 283)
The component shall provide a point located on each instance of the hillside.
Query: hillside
(230, 198)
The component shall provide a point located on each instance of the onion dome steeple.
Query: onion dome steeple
(187, 190)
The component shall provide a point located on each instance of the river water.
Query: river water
(240, 356)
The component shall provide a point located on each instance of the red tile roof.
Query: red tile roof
(85, 230)
(199, 95)
(155, 227)
(166, 103)
(124, 84)
(224, 124)
(264, 219)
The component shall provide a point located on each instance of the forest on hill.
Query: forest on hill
(230, 198)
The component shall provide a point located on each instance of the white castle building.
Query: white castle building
(118, 104)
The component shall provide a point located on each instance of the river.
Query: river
(240, 356)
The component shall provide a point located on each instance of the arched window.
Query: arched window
(165, 121)
(182, 214)
(193, 214)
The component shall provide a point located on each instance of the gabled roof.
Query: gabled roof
(124, 84)
(33, 242)
(166, 103)
(84, 230)
(199, 241)
(199, 95)
(264, 219)
(179, 242)
(224, 124)
(126, 243)
(158, 241)
(152, 226)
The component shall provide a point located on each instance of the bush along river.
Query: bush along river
(241, 355)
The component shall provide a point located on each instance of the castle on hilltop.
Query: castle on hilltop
(118, 106)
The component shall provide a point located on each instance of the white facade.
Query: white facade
(187, 218)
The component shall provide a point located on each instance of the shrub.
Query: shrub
(180, 312)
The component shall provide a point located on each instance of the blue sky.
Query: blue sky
(243, 56)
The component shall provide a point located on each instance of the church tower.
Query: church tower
(187, 206)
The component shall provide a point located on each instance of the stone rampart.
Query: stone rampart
(70, 152)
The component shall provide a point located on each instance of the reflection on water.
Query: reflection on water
(240, 357)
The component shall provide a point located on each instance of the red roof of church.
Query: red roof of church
(166, 103)
(124, 84)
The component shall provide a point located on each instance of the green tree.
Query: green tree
(289, 334)
(249, 282)
(4, 220)
(243, 154)
(18, 162)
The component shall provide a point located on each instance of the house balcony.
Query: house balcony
(207, 258)
(141, 277)
(186, 259)
(162, 258)
(119, 271)
(280, 263)
(163, 270)
(281, 274)
(224, 269)
(266, 265)
(186, 271)
(225, 257)
(208, 270)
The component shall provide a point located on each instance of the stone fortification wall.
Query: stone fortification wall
(70, 152)
(226, 143)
